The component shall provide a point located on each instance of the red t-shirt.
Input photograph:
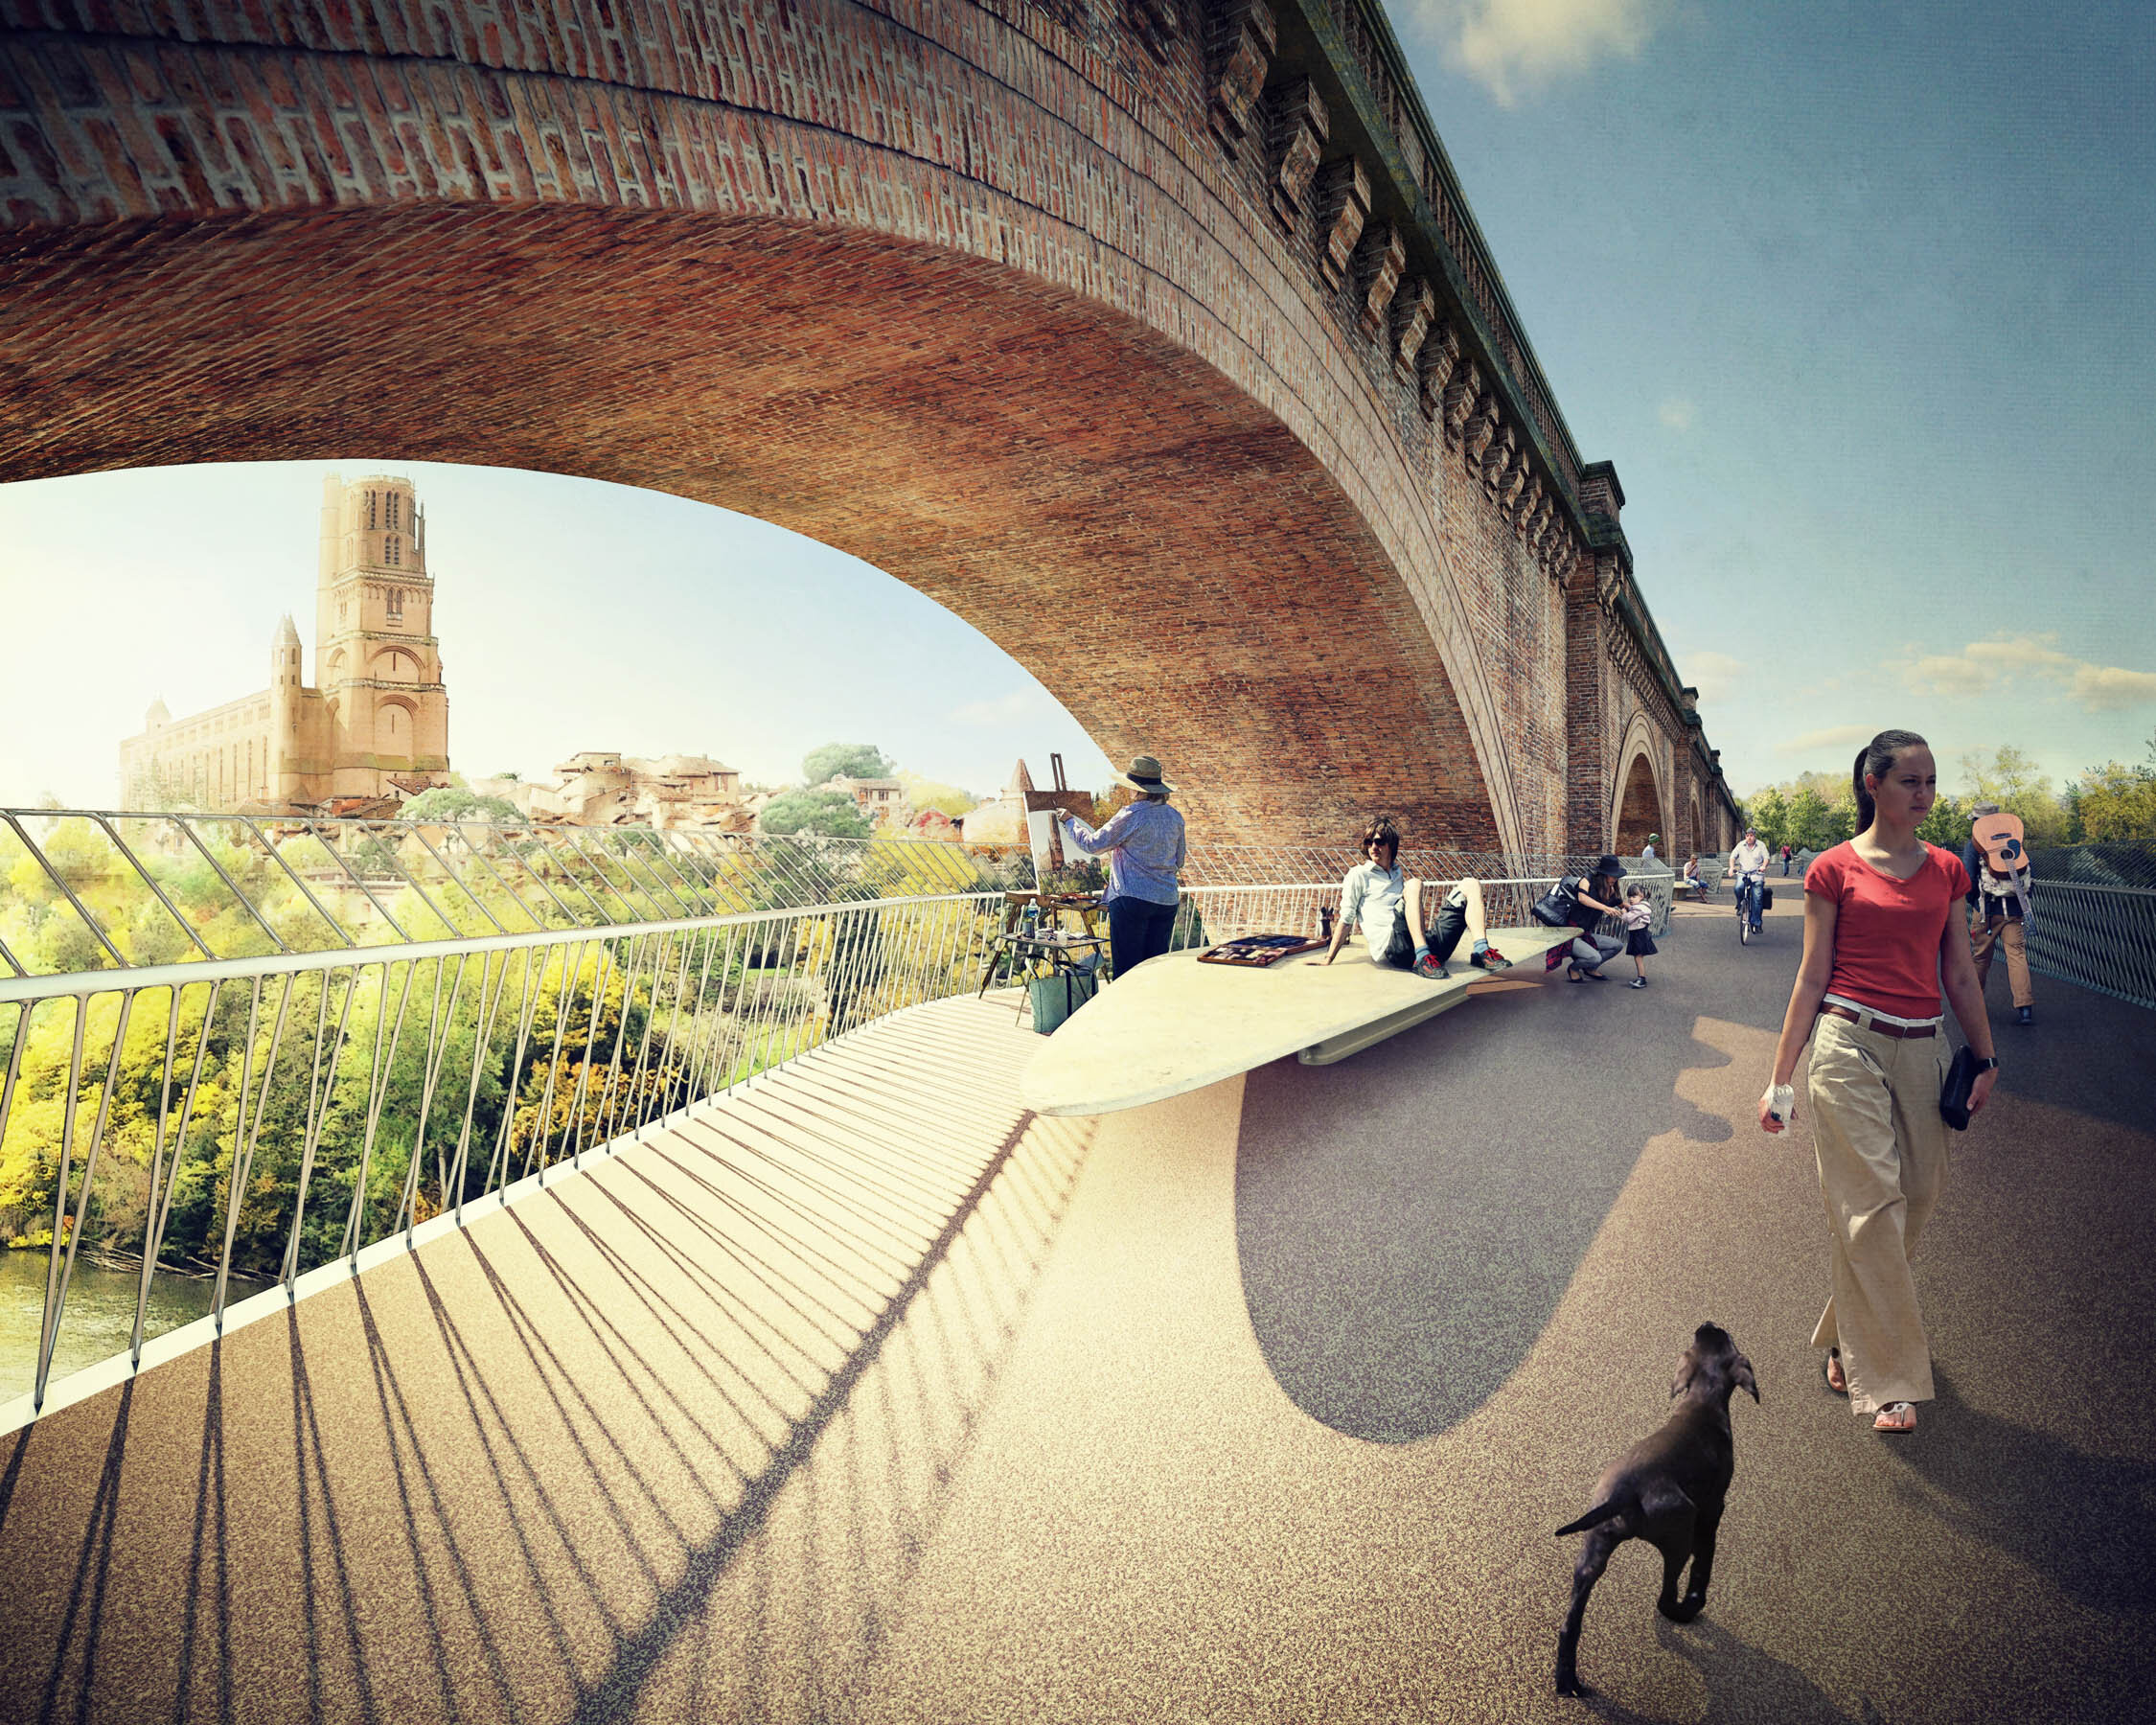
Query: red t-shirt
(1887, 932)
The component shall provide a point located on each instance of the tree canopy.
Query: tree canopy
(2114, 802)
(849, 760)
(825, 814)
(451, 802)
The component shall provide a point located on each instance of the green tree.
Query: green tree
(1947, 825)
(852, 760)
(1814, 824)
(2011, 780)
(825, 814)
(2118, 803)
(1767, 814)
(448, 802)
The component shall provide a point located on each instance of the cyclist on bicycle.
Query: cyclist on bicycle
(1748, 867)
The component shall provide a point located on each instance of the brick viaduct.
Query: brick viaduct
(1152, 338)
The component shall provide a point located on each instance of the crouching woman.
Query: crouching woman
(1880, 932)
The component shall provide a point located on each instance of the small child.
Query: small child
(1638, 913)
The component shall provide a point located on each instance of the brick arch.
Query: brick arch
(395, 665)
(395, 727)
(1107, 508)
(992, 300)
(1639, 806)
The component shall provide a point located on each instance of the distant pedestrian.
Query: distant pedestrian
(1998, 902)
(1638, 937)
(1647, 856)
(1785, 862)
(1143, 842)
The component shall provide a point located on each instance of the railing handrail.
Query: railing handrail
(136, 980)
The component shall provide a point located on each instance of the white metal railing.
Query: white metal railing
(2098, 936)
(250, 1119)
(1216, 912)
(86, 890)
(253, 1119)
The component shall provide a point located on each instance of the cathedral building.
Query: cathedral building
(378, 723)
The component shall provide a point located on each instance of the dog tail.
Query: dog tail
(1600, 1513)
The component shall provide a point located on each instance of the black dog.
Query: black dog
(1667, 1490)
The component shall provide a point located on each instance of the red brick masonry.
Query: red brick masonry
(1120, 331)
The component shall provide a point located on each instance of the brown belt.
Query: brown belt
(1884, 1030)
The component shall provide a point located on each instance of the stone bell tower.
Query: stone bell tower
(377, 664)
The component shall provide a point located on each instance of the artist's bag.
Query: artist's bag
(1556, 908)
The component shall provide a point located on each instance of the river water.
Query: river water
(100, 1316)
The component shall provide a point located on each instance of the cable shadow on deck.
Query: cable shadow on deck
(673, 1436)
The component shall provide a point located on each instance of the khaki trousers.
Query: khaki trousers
(2002, 929)
(1882, 1165)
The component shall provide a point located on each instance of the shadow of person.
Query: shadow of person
(2086, 1522)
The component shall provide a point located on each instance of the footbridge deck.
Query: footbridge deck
(864, 1394)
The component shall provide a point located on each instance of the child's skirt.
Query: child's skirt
(1639, 943)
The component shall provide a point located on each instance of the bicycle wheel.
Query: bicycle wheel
(1744, 930)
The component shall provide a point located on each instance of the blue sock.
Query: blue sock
(1482, 945)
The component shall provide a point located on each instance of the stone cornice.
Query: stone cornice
(1378, 114)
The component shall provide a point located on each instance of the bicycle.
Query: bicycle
(1750, 890)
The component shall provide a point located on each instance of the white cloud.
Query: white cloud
(1506, 45)
(1005, 709)
(2111, 688)
(1840, 736)
(1678, 413)
(2020, 653)
(1947, 674)
(1983, 665)
(1714, 674)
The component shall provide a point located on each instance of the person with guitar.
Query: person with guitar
(1998, 900)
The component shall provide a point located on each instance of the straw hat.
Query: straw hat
(1145, 775)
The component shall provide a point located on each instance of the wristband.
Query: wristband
(1782, 1102)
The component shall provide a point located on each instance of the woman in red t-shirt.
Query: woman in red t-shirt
(1880, 932)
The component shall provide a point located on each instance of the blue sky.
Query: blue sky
(1859, 299)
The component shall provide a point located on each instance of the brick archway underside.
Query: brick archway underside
(1640, 812)
(1146, 540)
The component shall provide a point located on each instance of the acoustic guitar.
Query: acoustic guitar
(1998, 837)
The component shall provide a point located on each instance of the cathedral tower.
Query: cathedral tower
(378, 664)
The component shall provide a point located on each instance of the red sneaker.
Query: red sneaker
(1489, 959)
(1432, 966)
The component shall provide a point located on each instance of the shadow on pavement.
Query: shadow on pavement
(2086, 1522)
(1409, 1219)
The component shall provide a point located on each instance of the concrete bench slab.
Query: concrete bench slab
(1173, 1024)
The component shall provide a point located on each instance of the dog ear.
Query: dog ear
(1744, 1378)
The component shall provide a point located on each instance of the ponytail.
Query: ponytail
(1878, 758)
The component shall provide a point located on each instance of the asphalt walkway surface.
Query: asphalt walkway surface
(864, 1395)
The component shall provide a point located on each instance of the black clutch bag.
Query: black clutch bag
(1954, 1093)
